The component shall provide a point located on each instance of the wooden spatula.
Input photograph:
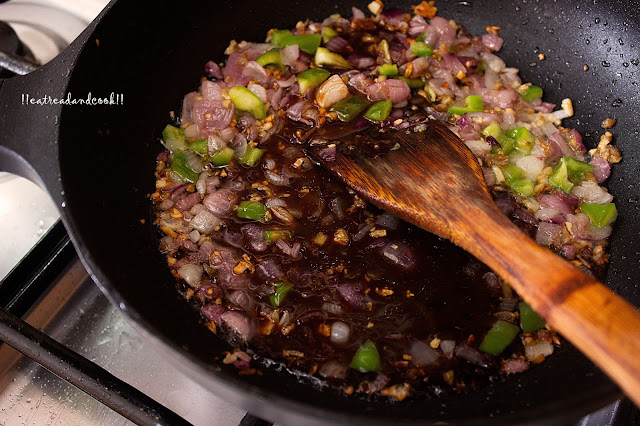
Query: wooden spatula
(432, 180)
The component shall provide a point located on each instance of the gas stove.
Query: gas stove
(86, 341)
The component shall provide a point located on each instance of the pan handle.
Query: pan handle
(30, 114)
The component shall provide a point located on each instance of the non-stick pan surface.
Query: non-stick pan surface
(97, 163)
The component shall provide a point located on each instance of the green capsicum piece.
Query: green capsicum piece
(308, 43)
(282, 288)
(420, 48)
(325, 58)
(560, 177)
(311, 77)
(251, 210)
(349, 108)
(272, 57)
(600, 215)
(252, 156)
(379, 111)
(222, 157)
(413, 83)
(577, 169)
(532, 93)
(496, 132)
(473, 103)
(327, 34)
(245, 100)
(367, 358)
(278, 35)
(174, 138)
(530, 321)
(388, 69)
(499, 337)
(524, 139)
(199, 146)
(179, 165)
(277, 234)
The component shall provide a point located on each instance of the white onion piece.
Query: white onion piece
(332, 308)
(275, 202)
(192, 274)
(547, 213)
(215, 144)
(447, 347)
(289, 54)
(340, 332)
(205, 221)
(193, 162)
(531, 165)
(422, 354)
(493, 62)
(548, 233)
(539, 348)
(276, 178)
(197, 209)
(331, 91)
(259, 91)
(194, 236)
(480, 148)
(166, 204)
(590, 192)
(192, 131)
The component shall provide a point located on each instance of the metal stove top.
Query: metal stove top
(51, 290)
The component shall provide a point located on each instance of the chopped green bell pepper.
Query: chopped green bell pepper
(420, 37)
(272, 57)
(278, 35)
(326, 58)
(420, 49)
(532, 93)
(496, 132)
(282, 288)
(499, 337)
(251, 210)
(308, 43)
(577, 169)
(388, 69)
(514, 178)
(311, 77)
(174, 138)
(222, 157)
(473, 104)
(568, 173)
(252, 156)
(277, 234)
(413, 83)
(530, 321)
(524, 139)
(523, 187)
(199, 146)
(512, 173)
(367, 358)
(379, 111)
(327, 34)
(349, 108)
(560, 177)
(179, 165)
(245, 100)
(600, 215)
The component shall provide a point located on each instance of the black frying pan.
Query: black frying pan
(96, 162)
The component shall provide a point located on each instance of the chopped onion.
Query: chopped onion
(422, 354)
(192, 274)
(205, 221)
(340, 332)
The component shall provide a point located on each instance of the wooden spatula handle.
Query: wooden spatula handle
(597, 321)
